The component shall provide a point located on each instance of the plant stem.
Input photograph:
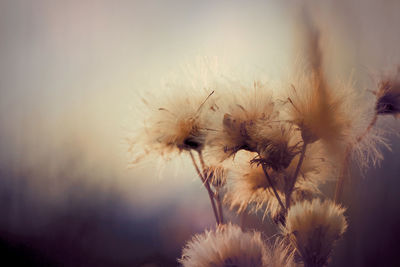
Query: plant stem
(203, 165)
(219, 203)
(216, 195)
(346, 161)
(207, 186)
(273, 187)
(292, 182)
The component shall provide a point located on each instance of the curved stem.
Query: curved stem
(273, 187)
(216, 195)
(346, 161)
(207, 186)
(292, 182)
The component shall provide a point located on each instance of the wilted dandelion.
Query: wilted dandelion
(228, 245)
(313, 227)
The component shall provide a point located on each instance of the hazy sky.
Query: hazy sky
(71, 70)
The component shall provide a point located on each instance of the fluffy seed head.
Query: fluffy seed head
(319, 113)
(244, 113)
(276, 146)
(313, 227)
(175, 123)
(248, 187)
(280, 254)
(228, 245)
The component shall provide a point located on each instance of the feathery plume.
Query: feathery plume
(244, 114)
(228, 245)
(313, 227)
(248, 186)
(320, 114)
(179, 122)
(216, 175)
(280, 254)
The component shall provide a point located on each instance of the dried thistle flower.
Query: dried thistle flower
(179, 122)
(320, 114)
(388, 98)
(244, 114)
(313, 227)
(276, 146)
(228, 245)
(248, 186)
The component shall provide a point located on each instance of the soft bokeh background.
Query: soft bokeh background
(70, 72)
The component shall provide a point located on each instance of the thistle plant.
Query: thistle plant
(254, 151)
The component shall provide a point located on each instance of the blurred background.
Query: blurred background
(70, 73)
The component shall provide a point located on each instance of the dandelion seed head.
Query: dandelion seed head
(228, 245)
(313, 227)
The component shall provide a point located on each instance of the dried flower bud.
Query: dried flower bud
(388, 98)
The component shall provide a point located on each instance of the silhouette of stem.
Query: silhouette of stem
(207, 186)
(292, 182)
(273, 187)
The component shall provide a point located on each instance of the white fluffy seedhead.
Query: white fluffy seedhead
(243, 114)
(280, 254)
(248, 187)
(228, 245)
(177, 121)
(313, 228)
